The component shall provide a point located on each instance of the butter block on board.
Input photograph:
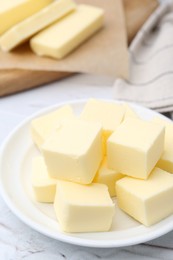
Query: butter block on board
(14, 11)
(108, 177)
(148, 201)
(166, 160)
(83, 208)
(110, 115)
(74, 151)
(135, 147)
(30, 26)
(42, 126)
(43, 185)
(65, 35)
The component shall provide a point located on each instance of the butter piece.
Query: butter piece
(43, 126)
(129, 112)
(64, 36)
(108, 177)
(30, 26)
(43, 185)
(148, 201)
(14, 11)
(83, 208)
(110, 115)
(166, 160)
(74, 151)
(135, 147)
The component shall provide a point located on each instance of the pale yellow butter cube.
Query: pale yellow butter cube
(148, 201)
(108, 177)
(166, 160)
(30, 26)
(14, 11)
(74, 151)
(43, 126)
(65, 35)
(43, 185)
(135, 147)
(110, 115)
(83, 208)
(129, 111)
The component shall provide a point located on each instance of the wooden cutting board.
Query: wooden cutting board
(15, 80)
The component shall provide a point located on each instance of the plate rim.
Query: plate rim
(64, 236)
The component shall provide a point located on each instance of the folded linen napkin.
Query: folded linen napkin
(151, 63)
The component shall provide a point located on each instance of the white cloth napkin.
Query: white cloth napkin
(151, 63)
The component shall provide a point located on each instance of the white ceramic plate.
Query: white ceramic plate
(15, 171)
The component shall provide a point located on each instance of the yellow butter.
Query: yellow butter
(135, 147)
(148, 201)
(43, 126)
(14, 11)
(25, 29)
(43, 185)
(166, 160)
(74, 151)
(83, 208)
(110, 115)
(64, 36)
(108, 177)
(129, 112)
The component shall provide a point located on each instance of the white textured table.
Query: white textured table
(18, 241)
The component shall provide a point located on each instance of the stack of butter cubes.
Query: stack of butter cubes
(54, 28)
(104, 152)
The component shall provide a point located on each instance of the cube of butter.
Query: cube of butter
(166, 160)
(83, 208)
(14, 11)
(43, 185)
(42, 126)
(108, 177)
(62, 37)
(135, 147)
(30, 26)
(74, 151)
(110, 115)
(148, 201)
(129, 111)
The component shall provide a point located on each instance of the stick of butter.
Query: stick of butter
(42, 126)
(83, 208)
(30, 26)
(74, 151)
(14, 11)
(65, 35)
(43, 185)
(148, 201)
(135, 147)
